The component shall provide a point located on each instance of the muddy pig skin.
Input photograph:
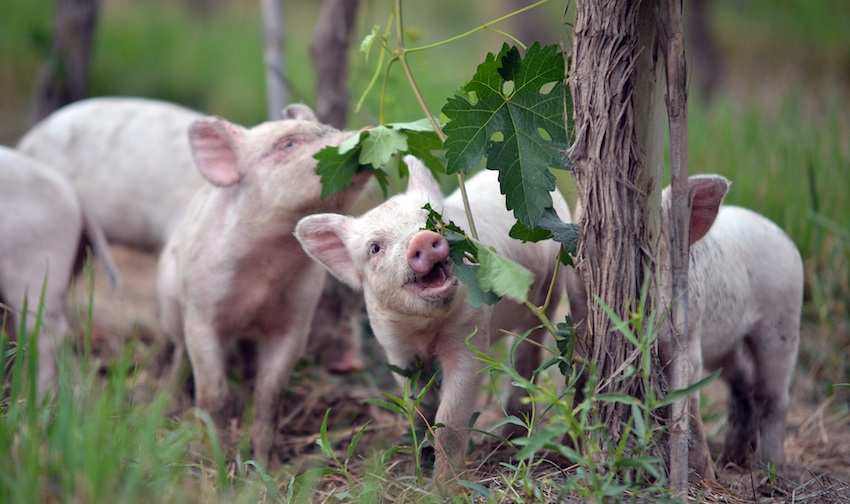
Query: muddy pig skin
(233, 268)
(417, 307)
(130, 161)
(44, 232)
(745, 295)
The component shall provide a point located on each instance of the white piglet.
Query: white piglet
(44, 232)
(417, 307)
(745, 295)
(128, 159)
(233, 269)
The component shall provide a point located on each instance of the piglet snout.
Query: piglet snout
(426, 249)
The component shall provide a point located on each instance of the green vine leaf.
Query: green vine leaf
(337, 165)
(369, 40)
(512, 113)
(501, 276)
(487, 275)
(372, 149)
(380, 144)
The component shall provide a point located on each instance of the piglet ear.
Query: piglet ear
(421, 180)
(299, 111)
(214, 142)
(706, 193)
(323, 238)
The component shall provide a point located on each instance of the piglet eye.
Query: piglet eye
(374, 248)
(287, 143)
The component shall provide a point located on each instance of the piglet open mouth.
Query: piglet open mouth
(437, 284)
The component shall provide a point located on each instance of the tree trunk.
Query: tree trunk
(273, 30)
(617, 91)
(64, 77)
(329, 52)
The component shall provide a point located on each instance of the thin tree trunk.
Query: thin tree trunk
(616, 161)
(329, 52)
(275, 58)
(64, 77)
(677, 112)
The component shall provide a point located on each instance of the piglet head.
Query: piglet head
(401, 268)
(272, 164)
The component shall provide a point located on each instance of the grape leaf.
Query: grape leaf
(501, 276)
(550, 226)
(380, 144)
(563, 233)
(372, 149)
(487, 275)
(462, 252)
(512, 113)
(369, 40)
(336, 169)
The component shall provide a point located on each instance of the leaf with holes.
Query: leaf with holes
(512, 113)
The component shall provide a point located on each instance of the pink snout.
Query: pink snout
(426, 249)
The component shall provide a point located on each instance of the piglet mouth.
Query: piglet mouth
(439, 283)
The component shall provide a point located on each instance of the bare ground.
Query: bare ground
(817, 443)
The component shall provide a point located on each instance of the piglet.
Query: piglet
(45, 231)
(745, 296)
(233, 269)
(128, 158)
(417, 307)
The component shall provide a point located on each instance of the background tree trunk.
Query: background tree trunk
(64, 77)
(275, 57)
(617, 90)
(329, 52)
(708, 63)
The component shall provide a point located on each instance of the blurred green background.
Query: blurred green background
(778, 123)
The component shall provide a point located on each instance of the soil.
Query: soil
(817, 444)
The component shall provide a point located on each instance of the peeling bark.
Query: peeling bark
(616, 161)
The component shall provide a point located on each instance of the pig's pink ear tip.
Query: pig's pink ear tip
(365, 128)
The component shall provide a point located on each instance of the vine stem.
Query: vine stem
(401, 54)
(485, 26)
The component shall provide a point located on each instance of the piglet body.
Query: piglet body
(233, 268)
(417, 307)
(745, 295)
(44, 232)
(744, 303)
(127, 158)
